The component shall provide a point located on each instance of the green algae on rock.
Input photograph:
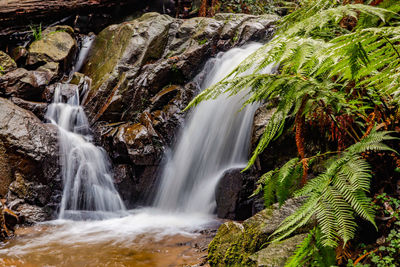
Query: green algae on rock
(245, 244)
(6, 63)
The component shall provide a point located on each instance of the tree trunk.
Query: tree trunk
(18, 14)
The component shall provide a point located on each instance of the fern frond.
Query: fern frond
(311, 252)
(335, 15)
(338, 194)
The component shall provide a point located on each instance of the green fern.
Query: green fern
(335, 15)
(280, 184)
(336, 196)
(311, 252)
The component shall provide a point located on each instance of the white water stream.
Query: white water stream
(215, 138)
(89, 191)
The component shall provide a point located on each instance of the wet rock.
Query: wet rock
(37, 108)
(276, 254)
(25, 84)
(139, 143)
(236, 242)
(66, 90)
(6, 63)
(50, 67)
(19, 54)
(32, 192)
(29, 156)
(5, 171)
(55, 46)
(280, 150)
(30, 214)
(124, 179)
(232, 195)
(164, 96)
(146, 54)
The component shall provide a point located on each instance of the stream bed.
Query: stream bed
(146, 237)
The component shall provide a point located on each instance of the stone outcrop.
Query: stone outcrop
(141, 74)
(232, 195)
(25, 84)
(6, 63)
(247, 243)
(276, 254)
(28, 161)
(56, 45)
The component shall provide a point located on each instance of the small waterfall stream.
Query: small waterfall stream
(88, 187)
(89, 191)
(215, 138)
(86, 44)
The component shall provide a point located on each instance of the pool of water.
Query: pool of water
(146, 237)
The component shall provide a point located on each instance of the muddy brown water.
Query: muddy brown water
(167, 242)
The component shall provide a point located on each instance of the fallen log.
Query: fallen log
(17, 15)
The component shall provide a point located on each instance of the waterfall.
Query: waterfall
(88, 188)
(215, 138)
(86, 44)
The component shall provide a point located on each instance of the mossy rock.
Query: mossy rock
(56, 46)
(276, 254)
(124, 44)
(235, 243)
(6, 63)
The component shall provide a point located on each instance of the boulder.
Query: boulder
(276, 254)
(29, 158)
(133, 61)
(28, 85)
(67, 90)
(236, 243)
(37, 108)
(6, 63)
(232, 195)
(31, 214)
(56, 45)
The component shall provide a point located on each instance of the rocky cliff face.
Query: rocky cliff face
(141, 75)
(29, 168)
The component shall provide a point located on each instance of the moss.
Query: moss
(107, 50)
(235, 37)
(201, 42)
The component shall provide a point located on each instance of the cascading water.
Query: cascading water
(88, 191)
(215, 138)
(86, 44)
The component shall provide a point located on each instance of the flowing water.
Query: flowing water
(172, 233)
(89, 191)
(86, 44)
(215, 138)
